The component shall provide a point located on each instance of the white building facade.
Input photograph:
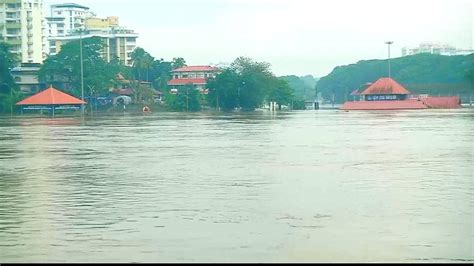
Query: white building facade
(66, 20)
(435, 48)
(21, 26)
(118, 42)
(63, 20)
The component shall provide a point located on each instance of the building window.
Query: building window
(176, 76)
(185, 76)
(17, 79)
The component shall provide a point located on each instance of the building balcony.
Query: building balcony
(13, 36)
(12, 1)
(13, 26)
(14, 41)
(12, 20)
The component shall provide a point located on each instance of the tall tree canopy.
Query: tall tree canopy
(178, 62)
(142, 64)
(65, 67)
(246, 84)
(8, 89)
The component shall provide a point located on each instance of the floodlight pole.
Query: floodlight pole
(389, 66)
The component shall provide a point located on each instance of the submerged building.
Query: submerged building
(387, 94)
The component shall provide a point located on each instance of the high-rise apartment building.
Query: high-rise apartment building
(66, 20)
(21, 25)
(63, 20)
(118, 42)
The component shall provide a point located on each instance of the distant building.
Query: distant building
(68, 19)
(435, 48)
(64, 19)
(118, 42)
(26, 77)
(195, 76)
(21, 25)
(101, 23)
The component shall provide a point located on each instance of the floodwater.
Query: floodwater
(310, 186)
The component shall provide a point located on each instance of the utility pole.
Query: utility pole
(187, 100)
(82, 72)
(389, 66)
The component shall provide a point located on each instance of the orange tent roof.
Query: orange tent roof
(51, 96)
(385, 86)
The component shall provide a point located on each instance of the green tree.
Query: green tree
(186, 100)
(142, 64)
(161, 74)
(65, 67)
(223, 90)
(245, 84)
(178, 62)
(8, 89)
(281, 93)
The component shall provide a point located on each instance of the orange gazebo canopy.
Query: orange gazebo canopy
(51, 96)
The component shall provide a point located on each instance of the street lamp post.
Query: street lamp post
(238, 91)
(389, 66)
(82, 71)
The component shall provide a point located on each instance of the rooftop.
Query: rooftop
(385, 86)
(70, 5)
(51, 96)
(196, 69)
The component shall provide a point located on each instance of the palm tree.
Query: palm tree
(142, 60)
(137, 58)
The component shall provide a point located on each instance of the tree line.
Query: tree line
(421, 73)
(245, 84)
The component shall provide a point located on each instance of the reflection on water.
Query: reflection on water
(260, 187)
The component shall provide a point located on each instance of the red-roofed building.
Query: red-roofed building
(195, 76)
(385, 89)
(51, 99)
(387, 94)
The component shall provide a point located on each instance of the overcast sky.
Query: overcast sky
(295, 36)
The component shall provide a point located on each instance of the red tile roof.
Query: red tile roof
(442, 102)
(385, 86)
(200, 81)
(196, 69)
(51, 96)
(384, 105)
